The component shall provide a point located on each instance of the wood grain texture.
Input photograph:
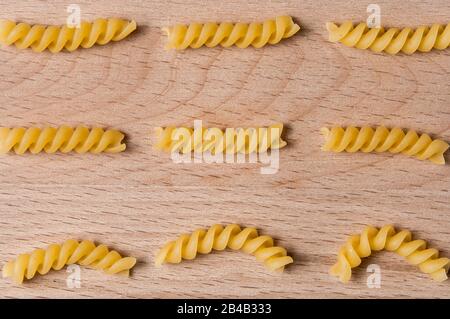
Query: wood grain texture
(138, 200)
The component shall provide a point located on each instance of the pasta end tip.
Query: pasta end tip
(330, 26)
(325, 131)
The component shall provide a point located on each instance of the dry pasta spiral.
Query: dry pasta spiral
(218, 238)
(56, 256)
(366, 139)
(57, 38)
(226, 34)
(392, 40)
(64, 139)
(231, 141)
(373, 239)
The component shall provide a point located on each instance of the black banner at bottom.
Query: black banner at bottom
(224, 308)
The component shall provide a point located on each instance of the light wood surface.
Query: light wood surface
(138, 200)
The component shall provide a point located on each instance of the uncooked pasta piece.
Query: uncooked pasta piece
(231, 141)
(217, 237)
(392, 40)
(226, 34)
(63, 139)
(387, 238)
(57, 38)
(366, 139)
(56, 256)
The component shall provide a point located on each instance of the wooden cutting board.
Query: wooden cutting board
(137, 200)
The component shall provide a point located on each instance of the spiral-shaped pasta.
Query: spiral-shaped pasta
(63, 139)
(56, 256)
(381, 139)
(218, 238)
(393, 40)
(57, 38)
(214, 140)
(226, 34)
(373, 239)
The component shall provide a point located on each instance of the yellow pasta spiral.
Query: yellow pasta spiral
(231, 141)
(57, 38)
(219, 238)
(366, 139)
(56, 256)
(226, 34)
(373, 239)
(392, 40)
(63, 139)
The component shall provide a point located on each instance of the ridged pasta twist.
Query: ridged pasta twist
(57, 38)
(226, 34)
(366, 139)
(373, 239)
(56, 256)
(393, 40)
(218, 238)
(231, 141)
(64, 139)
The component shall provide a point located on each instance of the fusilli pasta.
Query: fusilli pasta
(63, 139)
(215, 140)
(226, 34)
(372, 239)
(56, 256)
(57, 38)
(393, 40)
(365, 139)
(218, 238)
